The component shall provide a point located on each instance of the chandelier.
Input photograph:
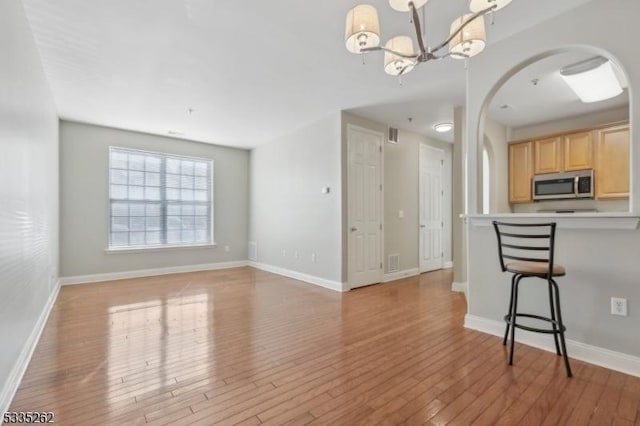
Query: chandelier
(467, 37)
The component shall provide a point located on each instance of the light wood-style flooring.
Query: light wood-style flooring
(242, 346)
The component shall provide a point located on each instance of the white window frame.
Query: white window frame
(160, 247)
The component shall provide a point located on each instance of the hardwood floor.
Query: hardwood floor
(248, 347)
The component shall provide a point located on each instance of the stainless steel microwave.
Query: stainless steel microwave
(561, 186)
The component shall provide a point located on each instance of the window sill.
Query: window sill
(157, 248)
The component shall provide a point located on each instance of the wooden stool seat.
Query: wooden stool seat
(535, 268)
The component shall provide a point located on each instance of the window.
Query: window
(158, 200)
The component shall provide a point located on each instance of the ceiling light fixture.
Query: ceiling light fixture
(467, 37)
(593, 80)
(444, 127)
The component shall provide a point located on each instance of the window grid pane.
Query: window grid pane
(159, 199)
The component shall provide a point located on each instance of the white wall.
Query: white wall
(572, 123)
(601, 263)
(84, 177)
(28, 195)
(289, 213)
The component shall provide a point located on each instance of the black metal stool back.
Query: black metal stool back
(527, 250)
(530, 242)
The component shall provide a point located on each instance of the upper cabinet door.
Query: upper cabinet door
(612, 171)
(520, 172)
(548, 156)
(578, 151)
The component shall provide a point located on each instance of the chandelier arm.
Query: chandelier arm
(459, 30)
(385, 49)
(416, 23)
(448, 54)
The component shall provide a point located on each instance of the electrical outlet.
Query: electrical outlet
(284, 253)
(619, 306)
(313, 257)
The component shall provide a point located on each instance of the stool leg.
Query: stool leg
(561, 330)
(513, 319)
(553, 317)
(506, 332)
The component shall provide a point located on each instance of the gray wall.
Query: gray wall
(84, 200)
(401, 171)
(573, 123)
(401, 192)
(601, 263)
(28, 191)
(458, 229)
(289, 213)
(496, 137)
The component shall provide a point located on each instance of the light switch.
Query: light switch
(326, 190)
(400, 214)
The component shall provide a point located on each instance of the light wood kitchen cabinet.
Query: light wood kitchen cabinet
(578, 151)
(612, 165)
(520, 172)
(548, 155)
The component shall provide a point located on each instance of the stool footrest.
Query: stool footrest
(507, 319)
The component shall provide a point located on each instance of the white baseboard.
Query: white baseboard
(311, 279)
(112, 276)
(10, 387)
(624, 363)
(459, 287)
(392, 276)
(448, 265)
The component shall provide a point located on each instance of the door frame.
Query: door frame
(350, 128)
(441, 153)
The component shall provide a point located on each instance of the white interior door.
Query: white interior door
(365, 206)
(431, 196)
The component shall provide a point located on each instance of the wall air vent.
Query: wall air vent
(392, 135)
(394, 262)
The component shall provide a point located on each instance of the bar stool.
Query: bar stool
(527, 250)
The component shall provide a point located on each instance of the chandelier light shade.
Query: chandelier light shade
(404, 5)
(363, 28)
(479, 5)
(470, 41)
(394, 64)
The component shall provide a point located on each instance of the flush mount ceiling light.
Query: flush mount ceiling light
(593, 80)
(444, 127)
(466, 39)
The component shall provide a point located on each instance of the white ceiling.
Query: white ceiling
(551, 99)
(250, 70)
